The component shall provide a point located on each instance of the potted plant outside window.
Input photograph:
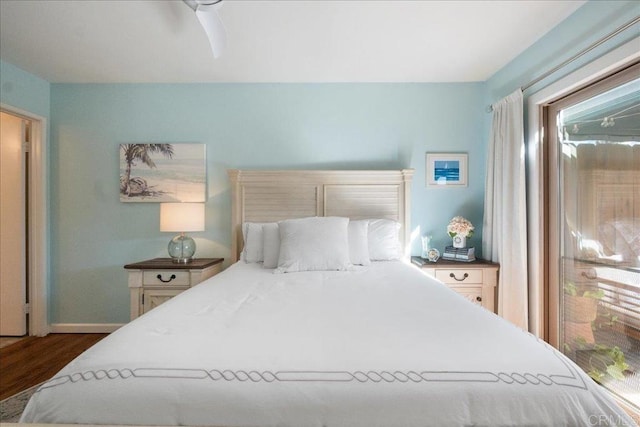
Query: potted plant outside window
(581, 310)
(581, 305)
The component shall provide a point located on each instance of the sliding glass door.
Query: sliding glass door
(594, 238)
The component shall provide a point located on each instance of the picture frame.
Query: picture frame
(157, 173)
(446, 170)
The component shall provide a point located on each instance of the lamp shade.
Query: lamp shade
(181, 217)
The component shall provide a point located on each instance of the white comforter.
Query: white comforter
(383, 346)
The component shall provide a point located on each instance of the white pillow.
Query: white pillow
(253, 242)
(384, 240)
(271, 245)
(359, 242)
(314, 244)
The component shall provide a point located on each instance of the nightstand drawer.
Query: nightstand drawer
(459, 276)
(472, 293)
(165, 277)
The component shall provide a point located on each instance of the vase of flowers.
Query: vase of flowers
(460, 229)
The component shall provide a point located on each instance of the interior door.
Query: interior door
(13, 277)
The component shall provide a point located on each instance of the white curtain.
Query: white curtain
(504, 235)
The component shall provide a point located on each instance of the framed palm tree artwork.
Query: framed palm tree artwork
(163, 173)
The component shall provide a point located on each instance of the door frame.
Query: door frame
(556, 228)
(38, 275)
(542, 320)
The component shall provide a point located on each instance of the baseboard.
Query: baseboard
(84, 328)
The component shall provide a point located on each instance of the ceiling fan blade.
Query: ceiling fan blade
(213, 26)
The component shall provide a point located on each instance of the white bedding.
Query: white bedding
(381, 346)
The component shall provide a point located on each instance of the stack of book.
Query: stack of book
(419, 261)
(459, 254)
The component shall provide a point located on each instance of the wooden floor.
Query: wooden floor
(36, 359)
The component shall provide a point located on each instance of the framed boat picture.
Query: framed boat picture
(446, 170)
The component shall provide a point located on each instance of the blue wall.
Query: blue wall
(289, 126)
(320, 126)
(23, 90)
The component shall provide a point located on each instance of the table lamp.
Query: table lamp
(182, 217)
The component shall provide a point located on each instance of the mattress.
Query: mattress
(383, 345)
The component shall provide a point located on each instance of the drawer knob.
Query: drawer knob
(464, 276)
(479, 299)
(159, 276)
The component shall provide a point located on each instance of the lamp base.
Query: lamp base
(181, 249)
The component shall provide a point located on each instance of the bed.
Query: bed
(302, 344)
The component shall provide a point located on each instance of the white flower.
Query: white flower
(460, 226)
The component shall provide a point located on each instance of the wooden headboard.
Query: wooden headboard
(270, 195)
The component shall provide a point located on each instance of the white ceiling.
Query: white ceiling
(273, 41)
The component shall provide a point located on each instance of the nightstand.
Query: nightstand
(155, 281)
(476, 280)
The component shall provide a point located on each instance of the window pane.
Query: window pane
(600, 248)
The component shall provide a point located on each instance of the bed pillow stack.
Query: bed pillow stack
(253, 242)
(359, 242)
(320, 243)
(271, 245)
(384, 243)
(314, 244)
